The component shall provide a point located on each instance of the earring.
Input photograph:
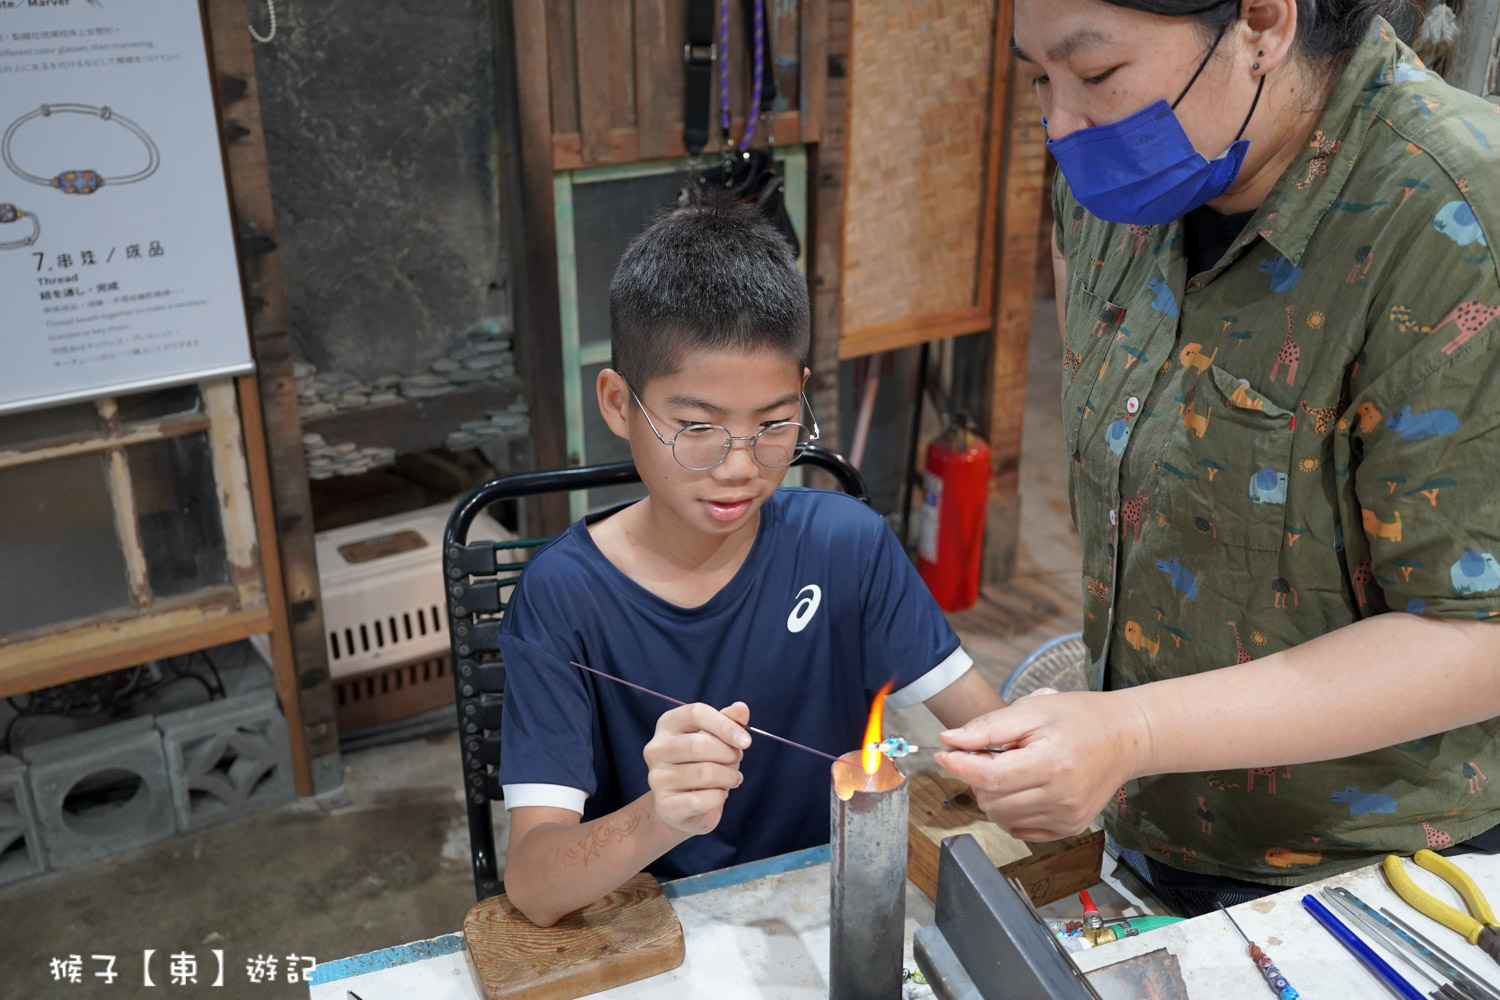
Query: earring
(1255, 65)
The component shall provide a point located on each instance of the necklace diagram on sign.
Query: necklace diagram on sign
(78, 181)
(10, 214)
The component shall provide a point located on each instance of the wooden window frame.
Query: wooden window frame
(154, 627)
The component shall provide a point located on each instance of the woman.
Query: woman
(1281, 313)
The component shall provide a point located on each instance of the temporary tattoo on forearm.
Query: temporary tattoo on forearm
(613, 831)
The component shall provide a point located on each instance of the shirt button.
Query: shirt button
(1112, 516)
(1132, 404)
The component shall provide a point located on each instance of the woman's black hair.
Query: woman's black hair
(1328, 31)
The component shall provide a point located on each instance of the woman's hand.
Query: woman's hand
(1069, 753)
(693, 762)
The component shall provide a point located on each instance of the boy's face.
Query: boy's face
(739, 391)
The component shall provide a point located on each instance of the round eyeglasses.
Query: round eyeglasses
(700, 447)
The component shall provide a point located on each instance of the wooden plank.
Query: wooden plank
(91, 441)
(620, 35)
(102, 646)
(524, 128)
(596, 83)
(914, 330)
(283, 661)
(812, 67)
(233, 67)
(409, 425)
(1025, 170)
(657, 103)
(625, 143)
(942, 806)
(232, 480)
(994, 150)
(826, 239)
(562, 66)
(630, 934)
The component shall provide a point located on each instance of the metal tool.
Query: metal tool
(866, 879)
(1404, 945)
(1377, 965)
(1273, 975)
(896, 746)
(1484, 931)
(1440, 953)
(664, 697)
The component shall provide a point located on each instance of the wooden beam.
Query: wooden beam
(102, 646)
(914, 330)
(596, 84)
(1025, 169)
(233, 66)
(826, 37)
(283, 660)
(524, 125)
(110, 437)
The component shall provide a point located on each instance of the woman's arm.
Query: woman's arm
(1381, 681)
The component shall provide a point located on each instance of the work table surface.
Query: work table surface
(761, 931)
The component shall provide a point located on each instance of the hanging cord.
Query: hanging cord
(263, 39)
(725, 145)
(758, 75)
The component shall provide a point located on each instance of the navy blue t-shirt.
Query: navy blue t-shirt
(825, 610)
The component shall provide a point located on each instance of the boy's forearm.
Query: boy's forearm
(558, 868)
(1375, 683)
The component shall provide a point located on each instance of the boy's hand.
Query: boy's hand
(1069, 753)
(693, 762)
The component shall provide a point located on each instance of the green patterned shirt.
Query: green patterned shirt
(1304, 435)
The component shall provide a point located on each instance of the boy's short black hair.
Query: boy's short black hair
(711, 274)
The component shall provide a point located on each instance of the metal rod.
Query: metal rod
(1440, 953)
(1396, 946)
(867, 882)
(753, 729)
(1351, 903)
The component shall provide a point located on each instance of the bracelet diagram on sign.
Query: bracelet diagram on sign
(10, 213)
(80, 181)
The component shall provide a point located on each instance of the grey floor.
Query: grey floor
(385, 860)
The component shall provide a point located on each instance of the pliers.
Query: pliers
(1484, 932)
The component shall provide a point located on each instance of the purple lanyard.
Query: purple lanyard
(757, 75)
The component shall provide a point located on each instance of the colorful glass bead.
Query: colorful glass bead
(78, 182)
(893, 746)
(8, 213)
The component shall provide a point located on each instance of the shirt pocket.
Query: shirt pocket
(1224, 467)
(1090, 324)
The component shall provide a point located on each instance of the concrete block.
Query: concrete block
(100, 792)
(227, 759)
(21, 853)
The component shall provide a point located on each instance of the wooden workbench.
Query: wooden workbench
(761, 931)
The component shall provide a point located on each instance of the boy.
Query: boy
(716, 588)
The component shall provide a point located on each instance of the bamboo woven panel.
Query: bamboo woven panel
(919, 110)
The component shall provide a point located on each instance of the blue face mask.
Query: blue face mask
(1143, 169)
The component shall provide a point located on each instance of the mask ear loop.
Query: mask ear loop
(1244, 124)
(1201, 66)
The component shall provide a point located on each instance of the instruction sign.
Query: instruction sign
(117, 262)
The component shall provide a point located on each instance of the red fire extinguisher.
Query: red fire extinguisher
(955, 490)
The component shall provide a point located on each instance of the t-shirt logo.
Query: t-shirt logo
(808, 599)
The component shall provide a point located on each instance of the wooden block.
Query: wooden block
(628, 935)
(942, 807)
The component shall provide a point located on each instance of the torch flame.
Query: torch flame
(870, 758)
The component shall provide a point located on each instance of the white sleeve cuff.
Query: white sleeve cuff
(555, 796)
(934, 681)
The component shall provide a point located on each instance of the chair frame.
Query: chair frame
(474, 576)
